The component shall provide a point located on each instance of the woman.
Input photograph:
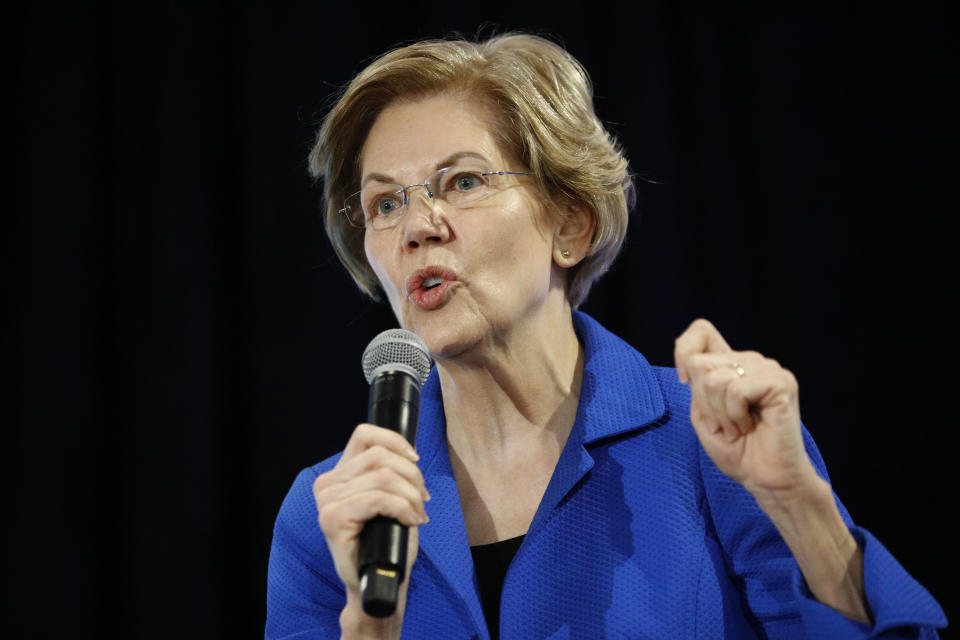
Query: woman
(474, 186)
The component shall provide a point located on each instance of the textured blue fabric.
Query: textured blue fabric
(638, 535)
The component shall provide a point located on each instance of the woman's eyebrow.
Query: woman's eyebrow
(456, 157)
(449, 161)
(379, 177)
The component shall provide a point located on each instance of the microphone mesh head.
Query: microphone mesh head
(397, 349)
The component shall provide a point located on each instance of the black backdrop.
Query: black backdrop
(184, 342)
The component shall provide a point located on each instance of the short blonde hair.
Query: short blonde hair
(542, 99)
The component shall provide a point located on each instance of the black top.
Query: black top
(490, 561)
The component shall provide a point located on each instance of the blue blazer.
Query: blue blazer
(638, 535)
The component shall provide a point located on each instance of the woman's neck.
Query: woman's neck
(516, 394)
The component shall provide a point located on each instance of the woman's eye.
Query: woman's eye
(466, 181)
(385, 206)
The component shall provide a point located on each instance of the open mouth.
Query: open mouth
(430, 287)
(432, 282)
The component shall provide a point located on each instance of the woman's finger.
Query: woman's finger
(378, 457)
(367, 435)
(719, 387)
(700, 337)
(708, 376)
(708, 428)
(715, 391)
(343, 519)
(738, 401)
(381, 479)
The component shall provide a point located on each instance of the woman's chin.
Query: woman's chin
(447, 338)
(448, 343)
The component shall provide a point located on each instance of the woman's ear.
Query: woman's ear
(571, 241)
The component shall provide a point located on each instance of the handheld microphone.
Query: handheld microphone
(396, 364)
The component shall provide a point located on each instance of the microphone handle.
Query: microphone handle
(394, 404)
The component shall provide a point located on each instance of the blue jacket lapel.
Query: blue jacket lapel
(444, 539)
(604, 410)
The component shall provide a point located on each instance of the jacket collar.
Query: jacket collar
(619, 393)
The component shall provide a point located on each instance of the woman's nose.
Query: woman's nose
(424, 220)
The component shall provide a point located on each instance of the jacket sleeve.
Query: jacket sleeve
(304, 593)
(774, 590)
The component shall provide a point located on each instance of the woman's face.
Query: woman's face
(493, 260)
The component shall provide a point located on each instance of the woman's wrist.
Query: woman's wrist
(829, 557)
(799, 492)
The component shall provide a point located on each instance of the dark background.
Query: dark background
(184, 341)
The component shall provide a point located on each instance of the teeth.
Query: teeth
(432, 282)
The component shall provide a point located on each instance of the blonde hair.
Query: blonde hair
(542, 100)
